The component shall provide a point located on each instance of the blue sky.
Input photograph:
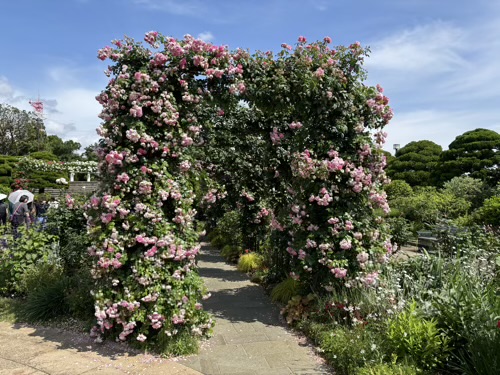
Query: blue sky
(438, 60)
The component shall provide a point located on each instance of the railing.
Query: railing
(427, 239)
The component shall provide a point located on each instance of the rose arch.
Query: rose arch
(292, 139)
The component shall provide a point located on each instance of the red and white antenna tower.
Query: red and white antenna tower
(38, 107)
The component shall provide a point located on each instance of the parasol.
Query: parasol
(15, 195)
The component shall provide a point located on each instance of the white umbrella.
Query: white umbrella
(3, 196)
(15, 195)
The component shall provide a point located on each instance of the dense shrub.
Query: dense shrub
(45, 288)
(489, 213)
(413, 337)
(347, 350)
(32, 248)
(387, 369)
(69, 224)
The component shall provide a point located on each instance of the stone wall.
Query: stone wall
(74, 188)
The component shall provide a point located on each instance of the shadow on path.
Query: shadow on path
(249, 337)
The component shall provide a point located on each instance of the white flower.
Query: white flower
(141, 338)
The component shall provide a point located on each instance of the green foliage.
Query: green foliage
(458, 290)
(5, 190)
(347, 350)
(7, 165)
(64, 150)
(285, 290)
(78, 294)
(184, 343)
(298, 308)
(89, 152)
(73, 242)
(217, 241)
(387, 369)
(32, 248)
(489, 213)
(259, 276)
(398, 189)
(231, 253)
(229, 228)
(427, 205)
(476, 153)
(21, 132)
(10, 309)
(249, 262)
(46, 293)
(44, 155)
(409, 335)
(463, 309)
(400, 230)
(416, 163)
(471, 189)
(482, 357)
(228, 236)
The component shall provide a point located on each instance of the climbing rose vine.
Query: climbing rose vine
(303, 158)
(292, 139)
(142, 223)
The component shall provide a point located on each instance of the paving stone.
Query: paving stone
(249, 364)
(238, 338)
(219, 339)
(61, 362)
(276, 371)
(209, 367)
(21, 351)
(104, 371)
(21, 371)
(8, 367)
(258, 349)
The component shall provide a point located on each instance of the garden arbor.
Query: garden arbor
(293, 139)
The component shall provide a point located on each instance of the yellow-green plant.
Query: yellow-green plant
(285, 290)
(249, 262)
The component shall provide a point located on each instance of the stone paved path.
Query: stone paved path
(50, 351)
(249, 338)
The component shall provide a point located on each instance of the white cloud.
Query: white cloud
(206, 36)
(424, 50)
(69, 112)
(11, 96)
(77, 115)
(6, 90)
(443, 80)
(61, 74)
(439, 126)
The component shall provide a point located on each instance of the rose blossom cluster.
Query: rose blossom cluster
(146, 132)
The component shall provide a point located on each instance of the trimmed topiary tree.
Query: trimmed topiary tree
(475, 153)
(416, 163)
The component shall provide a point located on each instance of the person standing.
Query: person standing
(3, 212)
(20, 215)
